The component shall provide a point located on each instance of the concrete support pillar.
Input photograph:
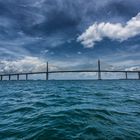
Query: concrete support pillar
(17, 76)
(139, 75)
(26, 76)
(99, 70)
(9, 77)
(46, 75)
(1, 77)
(47, 71)
(126, 76)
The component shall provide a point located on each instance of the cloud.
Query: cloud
(23, 65)
(135, 68)
(117, 31)
(35, 64)
(28, 27)
(26, 64)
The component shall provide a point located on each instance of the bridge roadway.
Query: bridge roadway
(69, 71)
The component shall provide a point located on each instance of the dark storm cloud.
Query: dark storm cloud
(42, 17)
(123, 8)
(36, 25)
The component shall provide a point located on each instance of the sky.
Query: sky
(69, 34)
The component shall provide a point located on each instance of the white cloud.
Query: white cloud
(79, 53)
(26, 64)
(117, 31)
(37, 3)
(135, 68)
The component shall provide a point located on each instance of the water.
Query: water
(69, 110)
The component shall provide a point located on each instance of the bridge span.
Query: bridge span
(47, 72)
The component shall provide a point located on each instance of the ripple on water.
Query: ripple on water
(68, 110)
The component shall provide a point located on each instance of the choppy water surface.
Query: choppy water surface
(67, 110)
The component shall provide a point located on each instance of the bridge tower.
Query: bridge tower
(47, 71)
(99, 70)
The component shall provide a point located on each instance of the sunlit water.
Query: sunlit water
(67, 110)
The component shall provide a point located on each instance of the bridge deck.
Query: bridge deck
(70, 71)
(47, 72)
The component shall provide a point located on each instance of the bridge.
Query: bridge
(47, 72)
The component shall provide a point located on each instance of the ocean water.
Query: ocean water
(70, 110)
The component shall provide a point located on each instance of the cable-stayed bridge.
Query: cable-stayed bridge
(99, 72)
